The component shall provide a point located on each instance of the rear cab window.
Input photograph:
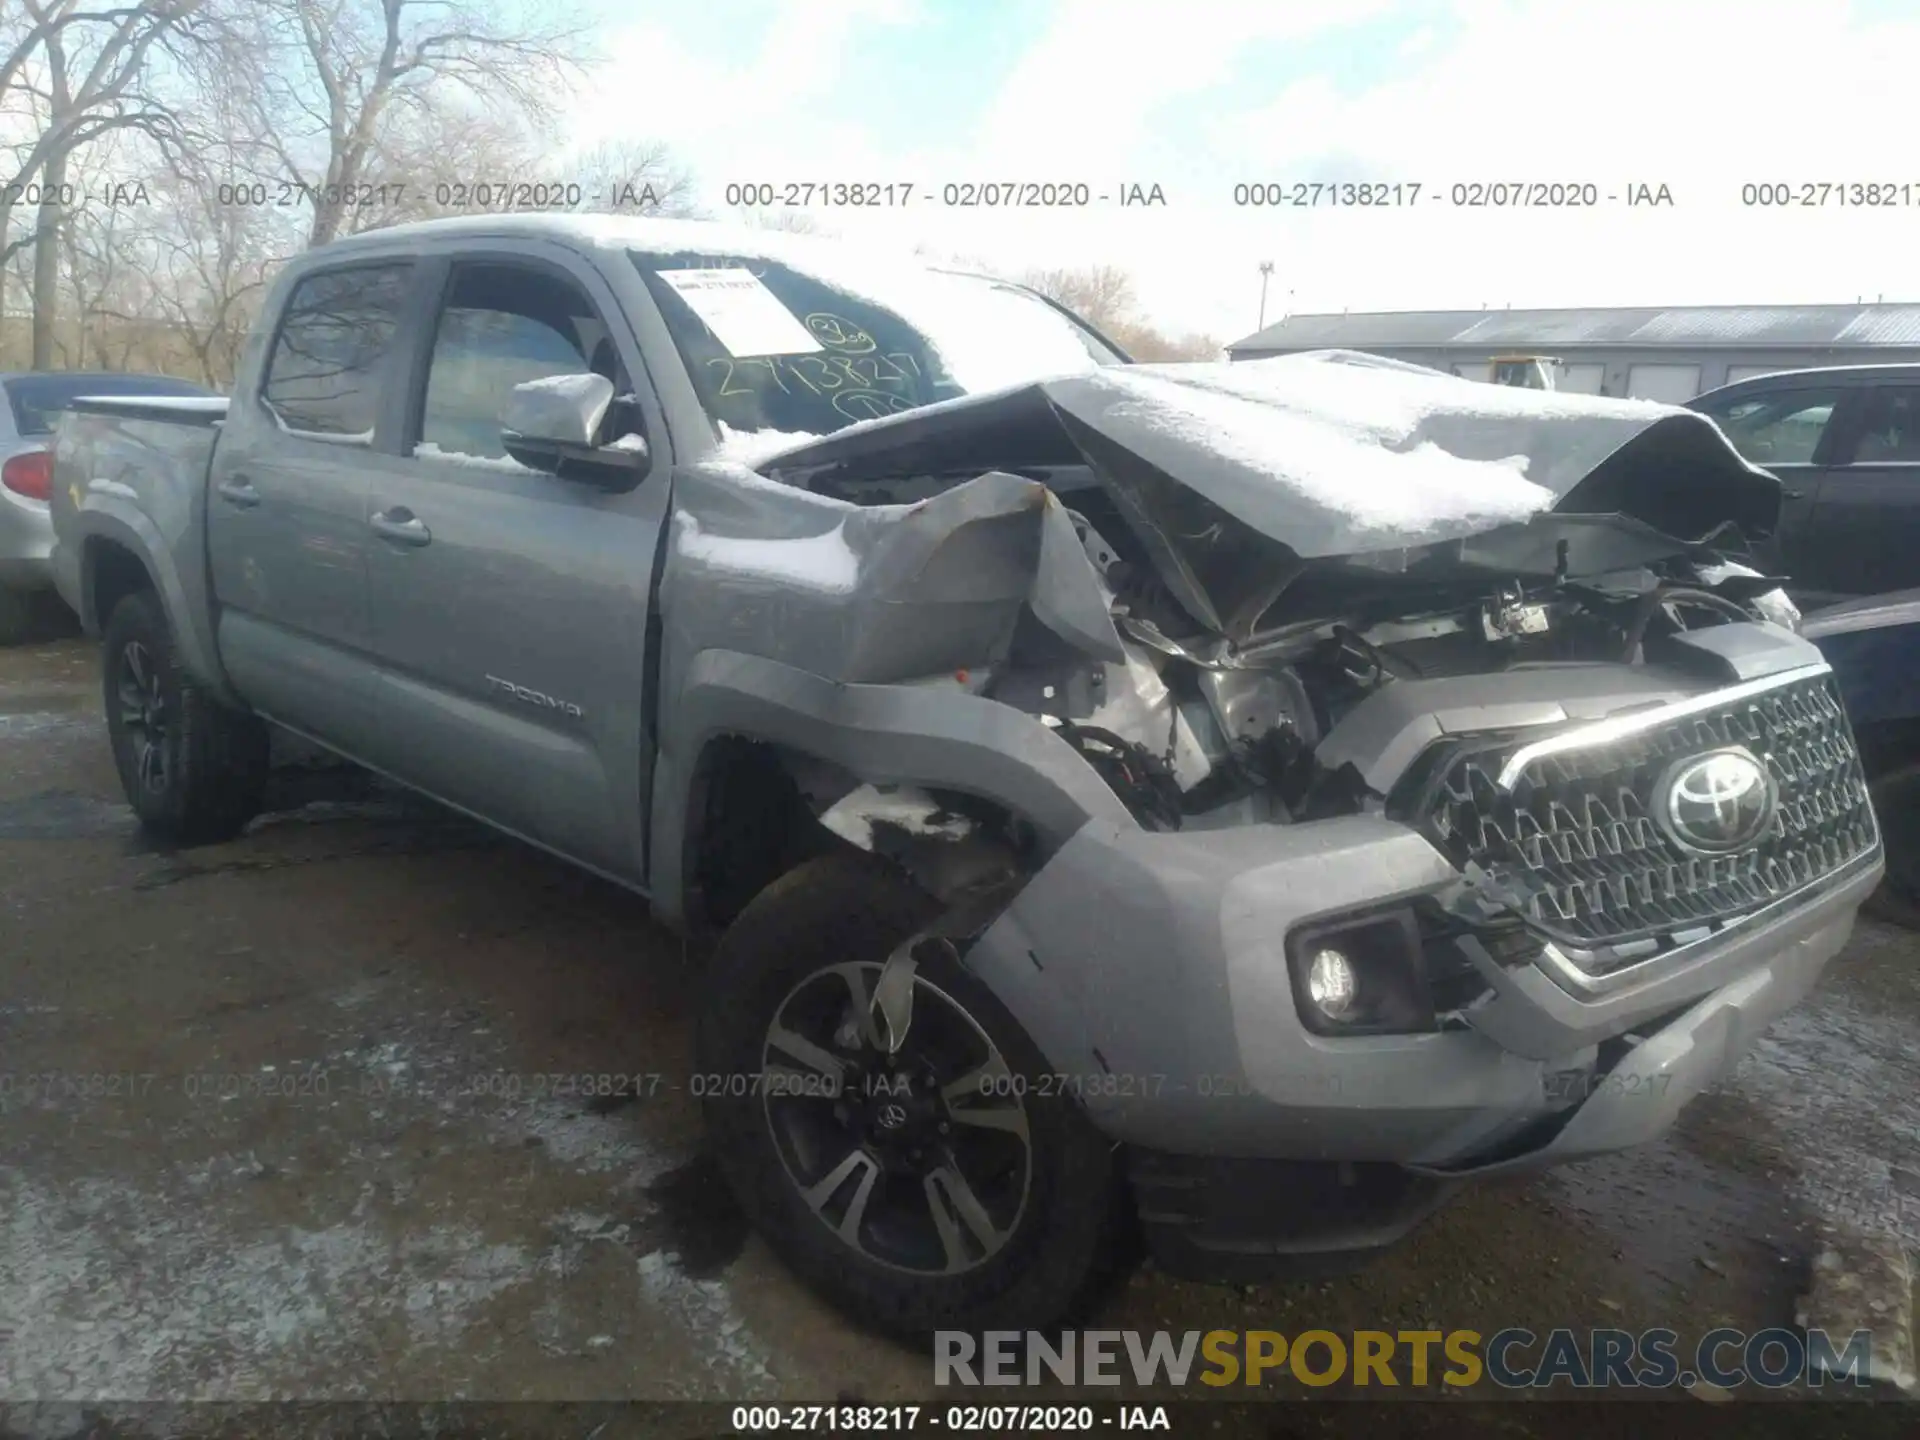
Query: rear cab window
(772, 347)
(1780, 427)
(331, 362)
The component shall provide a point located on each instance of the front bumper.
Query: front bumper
(1151, 970)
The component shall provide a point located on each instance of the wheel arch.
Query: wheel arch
(123, 552)
(797, 744)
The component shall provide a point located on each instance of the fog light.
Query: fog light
(1331, 984)
(1361, 974)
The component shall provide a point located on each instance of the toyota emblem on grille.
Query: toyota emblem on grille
(1718, 802)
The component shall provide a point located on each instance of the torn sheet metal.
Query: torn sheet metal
(856, 816)
(1235, 479)
(882, 593)
(1238, 478)
(1333, 453)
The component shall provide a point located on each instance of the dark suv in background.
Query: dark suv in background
(1846, 443)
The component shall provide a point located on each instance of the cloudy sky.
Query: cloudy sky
(1701, 96)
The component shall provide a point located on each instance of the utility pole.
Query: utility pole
(1266, 271)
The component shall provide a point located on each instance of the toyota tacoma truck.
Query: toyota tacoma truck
(1232, 805)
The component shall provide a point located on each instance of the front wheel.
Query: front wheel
(193, 770)
(885, 1122)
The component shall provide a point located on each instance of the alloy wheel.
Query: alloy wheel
(896, 1116)
(144, 718)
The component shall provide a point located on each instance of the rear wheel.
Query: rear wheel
(883, 1119)
(193, 770)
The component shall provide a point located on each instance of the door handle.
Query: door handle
(402, 525)
(238, 490)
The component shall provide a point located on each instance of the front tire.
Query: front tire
(193, 770)
(953, 1189)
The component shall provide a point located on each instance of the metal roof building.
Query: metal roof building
(1671, 353)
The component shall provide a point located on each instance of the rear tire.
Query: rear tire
(911, 1267)
(193, 770)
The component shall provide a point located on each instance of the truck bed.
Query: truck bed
(139, 465)
(179, 409)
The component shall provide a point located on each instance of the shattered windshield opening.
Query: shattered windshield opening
(774, 349)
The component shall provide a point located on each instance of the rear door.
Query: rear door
(508, 606)
(287, 508)
(1866, 521)
(1794, 432)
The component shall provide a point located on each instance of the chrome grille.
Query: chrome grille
(1569, 841)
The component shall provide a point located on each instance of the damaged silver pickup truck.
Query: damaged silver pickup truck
(1245, 800)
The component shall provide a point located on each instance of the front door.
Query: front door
(508, 607)
(287, 508)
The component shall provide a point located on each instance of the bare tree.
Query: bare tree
(1143, 342)
(1100, 294)
(356, 74)
(634, 177)
(792, 221)
(1103, 295)
(213, 257)
(460, 161)
(80, 75)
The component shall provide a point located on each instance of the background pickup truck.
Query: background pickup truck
(1258, 797)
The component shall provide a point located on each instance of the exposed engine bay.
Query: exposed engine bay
(1195, 574)
(1201, 731)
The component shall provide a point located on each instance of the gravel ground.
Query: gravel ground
(277, 1123)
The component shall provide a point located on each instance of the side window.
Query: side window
(501, 326)
(1780, 428)
(329, 367)
(1890, 429)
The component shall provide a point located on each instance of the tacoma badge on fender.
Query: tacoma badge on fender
(534, 697)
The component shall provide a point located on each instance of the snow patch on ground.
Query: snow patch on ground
(174, 1286)
(124, 1295)
(703, 1309)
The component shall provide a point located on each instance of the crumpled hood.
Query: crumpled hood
(1337, 453)
(1265, 491)
(1240, 478)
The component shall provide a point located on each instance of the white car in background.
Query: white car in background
(31, 400)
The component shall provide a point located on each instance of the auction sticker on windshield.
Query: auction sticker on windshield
(744, 316)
